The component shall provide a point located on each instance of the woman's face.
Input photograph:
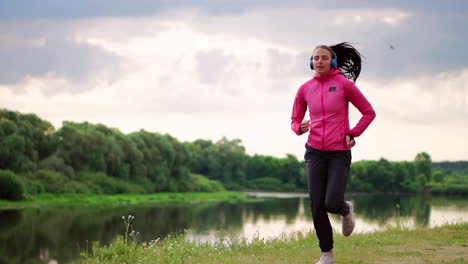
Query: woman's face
(322, 61)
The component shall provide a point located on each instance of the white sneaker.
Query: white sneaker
(327, 258)
(348, 222)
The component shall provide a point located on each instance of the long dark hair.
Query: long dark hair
(349, 59)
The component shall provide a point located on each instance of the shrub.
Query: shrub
(52, 181)
(11, 187)
(32, 186)
(145, 183)
(79, 187)
(201, 183)
(266, 183)
(107, 184)
(232, 186)
(57, 164)
(449, 188)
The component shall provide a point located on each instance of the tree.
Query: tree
(423, 166)
(165, 160)
(11, 187)
(24, 140)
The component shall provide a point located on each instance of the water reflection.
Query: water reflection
(384, 208)
(39, 235)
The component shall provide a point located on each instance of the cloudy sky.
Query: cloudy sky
(208, 69)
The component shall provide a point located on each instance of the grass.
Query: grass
(95, 199)
(447, 244)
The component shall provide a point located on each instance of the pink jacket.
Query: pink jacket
(327, 97)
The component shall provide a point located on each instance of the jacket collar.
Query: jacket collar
(328, 76)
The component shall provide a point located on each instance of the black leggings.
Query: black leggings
(327, 175)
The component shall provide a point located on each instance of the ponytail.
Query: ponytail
(349, 60)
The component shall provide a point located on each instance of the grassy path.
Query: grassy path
(447, 244)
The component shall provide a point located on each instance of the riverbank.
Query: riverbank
(446, 244)
(95, 199)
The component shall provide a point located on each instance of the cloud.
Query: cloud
(426, 113)
(120, 8)
(213, 66)
(426, 100)
(42, 48)
(420, 6)
(49, 50)
(138, 8)
(421, 39)
(367, 16)
(205, 70)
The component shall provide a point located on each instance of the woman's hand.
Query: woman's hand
(305, 126)
(350, 142)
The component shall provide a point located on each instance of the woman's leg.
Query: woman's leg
(338, 174)
(316, 169)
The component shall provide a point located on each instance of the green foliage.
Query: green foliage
(24, 139)
(227, 162)
(55, 163)
(223, 161)
(201, 183)
(450, 184)
(98, 182)
(52, 181)
(417, 176)
(449, 189)
(11, 187)
(82, 146)
(266, 183)
(385, 176)
(448, 167)
(164, 161)
(142, 162)
(146, 184)
(438, 175)
(32, 186)
(423, 166)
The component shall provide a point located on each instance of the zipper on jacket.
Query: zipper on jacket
(323, 121)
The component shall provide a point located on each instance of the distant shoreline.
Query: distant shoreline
(115, 199)
(71, 199)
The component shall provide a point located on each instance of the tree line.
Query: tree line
(93, 158)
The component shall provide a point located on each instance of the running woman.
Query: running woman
(328, 155)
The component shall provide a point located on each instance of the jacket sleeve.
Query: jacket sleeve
(298, 111)
(360, 102)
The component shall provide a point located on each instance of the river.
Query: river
(57, 234)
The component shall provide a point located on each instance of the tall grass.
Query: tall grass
(445, 244)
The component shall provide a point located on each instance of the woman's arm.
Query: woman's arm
(360, 102)
(298, 112)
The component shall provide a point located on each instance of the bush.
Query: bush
(55, 182)
(106, 184)
(57, 164)
(266, 183)
(11, 187)
(449, 188)
(201, 183)
(232, 186)
(32, 186)
(79, 187)
(145, 183)
(52, 181)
